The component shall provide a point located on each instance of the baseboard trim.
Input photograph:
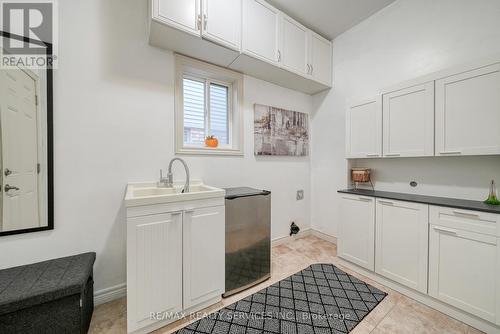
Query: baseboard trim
(110, 294)
(324, 236)
(283, 240)
(449, 310)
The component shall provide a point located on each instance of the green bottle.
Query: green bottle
(492, 198)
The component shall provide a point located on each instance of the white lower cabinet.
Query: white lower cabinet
(175, 261)
(356, 241)
(203, 255)
(464, 261)
(154, 267)
(452, 255)
(401, 242)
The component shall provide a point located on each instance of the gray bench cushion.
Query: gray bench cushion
(34, 284)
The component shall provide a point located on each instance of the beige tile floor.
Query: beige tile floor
(395, 314)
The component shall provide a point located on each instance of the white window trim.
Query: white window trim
(188, 67)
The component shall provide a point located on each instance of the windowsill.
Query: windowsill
(209, 151)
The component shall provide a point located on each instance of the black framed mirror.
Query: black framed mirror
(26, 141)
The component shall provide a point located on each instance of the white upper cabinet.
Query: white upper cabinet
(364, 129)
(320, 58)
(408, 121)
(402, 242)
(468, 112)
(356, 242)
(294, 55)
(181, 14)
(261, 23)
(221, 22)
(249, 36)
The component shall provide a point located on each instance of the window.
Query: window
(208, 103)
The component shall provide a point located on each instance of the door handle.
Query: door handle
(9, 188)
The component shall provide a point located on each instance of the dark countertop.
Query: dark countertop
(432, 200)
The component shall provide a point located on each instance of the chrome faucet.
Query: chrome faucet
(168, 182)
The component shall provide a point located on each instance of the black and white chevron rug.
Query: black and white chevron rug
(320, 299)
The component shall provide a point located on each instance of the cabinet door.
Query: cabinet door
(468, 113)
(154, 267)
(408, 116)
(464, 271)
(356, 241)
(180, 14)
(294, 46)
(364, 129)
(261, 30)
(222, 22)
(401, 244)
(320, 59)
(204, 252)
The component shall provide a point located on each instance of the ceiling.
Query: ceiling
(330, 18)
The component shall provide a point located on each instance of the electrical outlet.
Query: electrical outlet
(300, 195)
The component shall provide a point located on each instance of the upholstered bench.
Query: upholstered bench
(55, 296)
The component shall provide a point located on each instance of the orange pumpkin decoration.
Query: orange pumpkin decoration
(211, 141)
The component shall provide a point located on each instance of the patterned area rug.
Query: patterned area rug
(320, 299)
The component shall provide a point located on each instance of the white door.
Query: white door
(320, 59)
(294, 46)
(180, 14)
(464, 271)
(222, 22)
(19, 138)
(401, 244)
(364, 129)
(154, 267)
(468, 113)
(204, 255)
(356, 241)
(408, 121)
(261, 33)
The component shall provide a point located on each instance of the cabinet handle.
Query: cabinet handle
(364, 199)
(189, 211)
(392, 154)
(467, 214)
(444, 230)
(385, 202)
(176, 213)
(312, 69)
(198, 22)
(450, 152)
(205, 21)
(279, 56)
(373, 155)
(308, 69)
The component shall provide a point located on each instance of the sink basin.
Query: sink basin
(149, 193)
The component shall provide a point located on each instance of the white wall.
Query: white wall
(113, 124)
(408, 39)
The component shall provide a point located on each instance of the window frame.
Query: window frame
(209, 74)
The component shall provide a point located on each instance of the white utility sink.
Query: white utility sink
(150, 193)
